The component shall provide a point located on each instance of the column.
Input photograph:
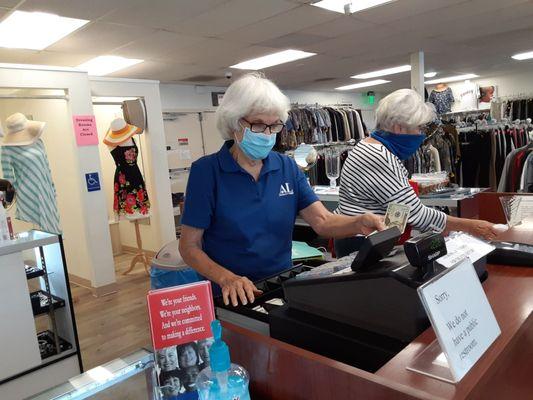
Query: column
(417, 72)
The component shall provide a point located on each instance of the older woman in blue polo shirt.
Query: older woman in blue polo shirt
(242, 202)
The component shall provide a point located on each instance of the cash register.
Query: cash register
(362, 310)
(367, 313)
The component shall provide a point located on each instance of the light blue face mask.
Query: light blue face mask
(256, 146)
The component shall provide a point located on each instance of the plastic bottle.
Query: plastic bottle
(223, 380)
(4, 227)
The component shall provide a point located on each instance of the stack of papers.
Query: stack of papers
(302, 251)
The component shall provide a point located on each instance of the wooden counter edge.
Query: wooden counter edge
(364, 378)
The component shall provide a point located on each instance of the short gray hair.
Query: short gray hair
(250, 94)
(404, 107)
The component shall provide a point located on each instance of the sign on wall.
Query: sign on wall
(216, 98)
(85, 130)
(93, 181)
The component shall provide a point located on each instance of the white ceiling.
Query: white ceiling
(197, 40)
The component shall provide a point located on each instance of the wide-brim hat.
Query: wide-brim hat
(119, 132)
(20, 131)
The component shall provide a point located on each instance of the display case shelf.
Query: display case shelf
(47, 345)
(33, 272)
(40, 305)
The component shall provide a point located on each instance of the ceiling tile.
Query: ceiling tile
(15, 56)
(162, 71)
(222, 55)
(100, 37)
(292, 21)
(350, 44)
(233, 15)
(292, 40)
(459, 16)
(60, 59)
(400, 9)
(83, 9)
(487, 28)
(339, 27)
(9, 3)
(160, 45)
(162, 14)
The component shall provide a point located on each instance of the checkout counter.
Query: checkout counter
(359, 345)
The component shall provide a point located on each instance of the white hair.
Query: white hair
(250, 94)
(404, 107)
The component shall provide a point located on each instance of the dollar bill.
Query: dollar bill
(397, 215)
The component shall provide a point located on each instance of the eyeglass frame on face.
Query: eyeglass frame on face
(265, 127)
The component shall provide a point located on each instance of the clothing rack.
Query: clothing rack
(320, 124)
(351, 142)
(317, 105)
(452, 113)
(516, 96)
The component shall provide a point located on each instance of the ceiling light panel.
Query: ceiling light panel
(430, 74)
(383, 72)
(363, 84)
(349, 7)
(523, 56)
(36, 30)
(104, 65)
(452, 79)
(273, 59)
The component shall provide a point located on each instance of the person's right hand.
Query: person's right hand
(237, 288)
(483, 229)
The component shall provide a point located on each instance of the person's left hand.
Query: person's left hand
(368, 223)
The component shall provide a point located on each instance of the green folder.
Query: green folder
(302, 251)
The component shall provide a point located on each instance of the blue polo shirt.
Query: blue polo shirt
(247, 225)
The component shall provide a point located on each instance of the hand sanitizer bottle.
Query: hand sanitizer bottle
(223, 380)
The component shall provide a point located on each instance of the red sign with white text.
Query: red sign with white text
(180, 314)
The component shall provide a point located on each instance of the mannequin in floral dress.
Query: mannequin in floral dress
(130, 196)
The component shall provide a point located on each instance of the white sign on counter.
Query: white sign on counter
(461, 316)
(462, 245)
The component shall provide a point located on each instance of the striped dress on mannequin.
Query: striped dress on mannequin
(28, 170)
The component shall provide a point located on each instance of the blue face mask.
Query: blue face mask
(256, 146)
(402, 145)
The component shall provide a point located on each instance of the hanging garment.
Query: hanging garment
(130, 197)
(28, 170)
(442, 100)
(359, 122)
(435, 159)
(493, 181)
(469, 96)
(526, 183)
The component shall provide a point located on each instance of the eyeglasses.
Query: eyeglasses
(259, 127)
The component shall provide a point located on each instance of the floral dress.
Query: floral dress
(130, 196)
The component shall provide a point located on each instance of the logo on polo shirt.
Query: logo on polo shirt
(285, 190)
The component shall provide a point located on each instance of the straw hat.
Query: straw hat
(21, 132)
(119, 132)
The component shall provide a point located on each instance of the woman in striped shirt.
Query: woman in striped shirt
(373, 175)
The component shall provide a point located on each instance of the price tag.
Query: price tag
(463, 245)
(461, 316)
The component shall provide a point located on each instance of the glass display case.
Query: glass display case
(132, 377)
(40, 341)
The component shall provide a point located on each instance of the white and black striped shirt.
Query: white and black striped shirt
(373, 177)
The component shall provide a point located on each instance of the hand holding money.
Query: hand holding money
(397, 215)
